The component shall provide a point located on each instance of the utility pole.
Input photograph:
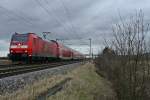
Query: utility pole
(90, 47)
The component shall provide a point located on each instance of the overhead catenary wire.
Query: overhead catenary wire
(59, 21)
(27, 21)
(67, 12)
(17, 15)
(51, 14)
(71, 25)
(57, 18)
(68, 16)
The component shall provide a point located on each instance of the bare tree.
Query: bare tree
(129, 68)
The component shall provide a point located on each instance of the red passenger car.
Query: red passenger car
(30, 47)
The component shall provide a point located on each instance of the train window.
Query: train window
(20, 38)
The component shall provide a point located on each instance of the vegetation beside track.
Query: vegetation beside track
(85, 85)
(30, 92)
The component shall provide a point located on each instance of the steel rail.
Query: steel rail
(11, 71)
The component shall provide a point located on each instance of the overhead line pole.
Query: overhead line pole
(90, 47)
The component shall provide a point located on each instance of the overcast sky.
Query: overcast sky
(74, 20)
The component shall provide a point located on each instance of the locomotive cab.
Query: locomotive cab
(19, 47)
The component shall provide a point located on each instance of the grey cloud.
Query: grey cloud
(67, 19)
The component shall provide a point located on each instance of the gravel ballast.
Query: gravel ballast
(14, 83)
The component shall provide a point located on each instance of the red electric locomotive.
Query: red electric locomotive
(30, 47)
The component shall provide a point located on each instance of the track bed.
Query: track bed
(15, 69)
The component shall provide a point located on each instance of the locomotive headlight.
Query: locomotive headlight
(24, 46)
(25, 51)
(13, 46)
(11, 51)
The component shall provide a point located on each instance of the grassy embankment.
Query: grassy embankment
(85, 85)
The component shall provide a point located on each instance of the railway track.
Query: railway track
(15, 69)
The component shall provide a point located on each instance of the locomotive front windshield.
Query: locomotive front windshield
(20, 38)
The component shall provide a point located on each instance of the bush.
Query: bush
(128, 66)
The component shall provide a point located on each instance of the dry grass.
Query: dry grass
(86, 85)
(32, 91)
